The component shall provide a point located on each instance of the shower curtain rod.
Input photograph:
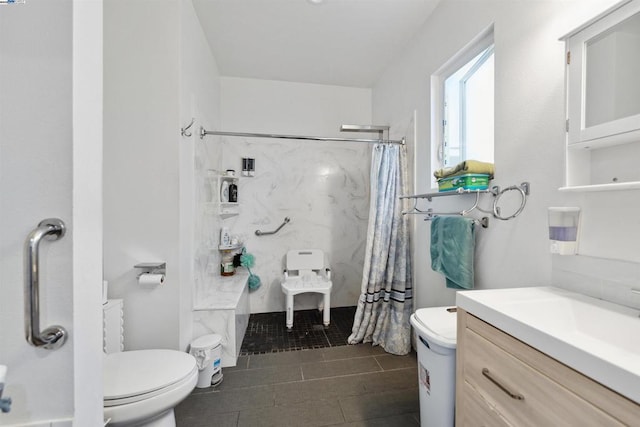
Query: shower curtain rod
(204, 133)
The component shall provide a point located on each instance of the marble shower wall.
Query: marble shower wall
(206, 226)
(324, 188)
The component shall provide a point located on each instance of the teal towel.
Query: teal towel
(452, 249)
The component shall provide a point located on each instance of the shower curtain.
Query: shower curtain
(385, 304)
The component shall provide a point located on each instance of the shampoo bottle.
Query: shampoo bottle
(225, 237)
(224, 192)
(233, 193)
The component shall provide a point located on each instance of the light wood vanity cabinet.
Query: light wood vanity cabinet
(501, 381)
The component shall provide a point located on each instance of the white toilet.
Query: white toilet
(142, 387)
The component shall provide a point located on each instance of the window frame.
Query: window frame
(477, 45)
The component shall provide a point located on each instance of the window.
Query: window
(462, 105)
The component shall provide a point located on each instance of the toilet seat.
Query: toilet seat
(132, 376)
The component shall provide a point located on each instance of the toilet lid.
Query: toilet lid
(132, 373)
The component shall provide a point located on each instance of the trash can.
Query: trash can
(436, 342)
(206, 350)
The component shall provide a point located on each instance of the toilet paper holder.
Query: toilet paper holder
(151, 268)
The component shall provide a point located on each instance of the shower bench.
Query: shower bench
(223, 308)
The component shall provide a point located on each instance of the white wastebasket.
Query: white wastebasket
(436, 341)
(206, 350)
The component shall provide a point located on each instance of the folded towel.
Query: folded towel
(452, 249)
(468, 166)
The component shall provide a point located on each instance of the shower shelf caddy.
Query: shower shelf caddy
(496, 192)
(217, 206)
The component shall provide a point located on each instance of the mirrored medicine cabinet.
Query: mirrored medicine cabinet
(603, 101)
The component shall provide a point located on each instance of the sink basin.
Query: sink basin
(578, 317)
(595, 337)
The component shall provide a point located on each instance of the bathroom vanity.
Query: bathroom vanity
(545, 356)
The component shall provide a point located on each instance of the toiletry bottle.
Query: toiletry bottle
(226, 264)
(225, 237)
(233, 192)
(224, 192)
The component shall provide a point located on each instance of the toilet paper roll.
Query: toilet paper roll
(151, 279)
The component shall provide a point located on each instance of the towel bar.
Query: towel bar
(524, 190)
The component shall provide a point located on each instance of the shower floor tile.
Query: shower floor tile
(267, 332)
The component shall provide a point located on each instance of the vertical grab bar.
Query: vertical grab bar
(54, 336)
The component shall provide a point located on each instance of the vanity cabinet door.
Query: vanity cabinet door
(520, 393)
(503, 381)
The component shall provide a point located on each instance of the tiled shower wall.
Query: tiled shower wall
(206, 225)
(324, 189)
(322, 186)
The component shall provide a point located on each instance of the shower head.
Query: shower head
(380, 130)
(363, 128)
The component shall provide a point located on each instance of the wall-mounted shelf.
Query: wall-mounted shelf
(226, 210)
(459, 191)
(635, 185)
(230, 247)
(523, 189)
(218, 206)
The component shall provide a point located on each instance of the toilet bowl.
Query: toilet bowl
(142, 387)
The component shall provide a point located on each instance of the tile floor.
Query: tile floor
(307, 377)
(267, 332)
(349, 385)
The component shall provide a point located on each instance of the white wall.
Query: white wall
(199, 99)
(323, 187)
(87, 211)
(529, 135)
(159, 73)
(141, 149)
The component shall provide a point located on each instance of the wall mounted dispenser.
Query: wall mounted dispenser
(248, 166)
(563, 230)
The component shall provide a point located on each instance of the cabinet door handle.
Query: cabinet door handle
(511, 394)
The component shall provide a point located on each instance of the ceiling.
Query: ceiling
(337, 42)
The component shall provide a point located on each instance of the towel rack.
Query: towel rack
(524, 190)
(430, 214)
(459, 191)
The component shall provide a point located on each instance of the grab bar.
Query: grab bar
(265, 233)
(54, 336)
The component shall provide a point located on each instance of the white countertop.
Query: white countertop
(592, 336)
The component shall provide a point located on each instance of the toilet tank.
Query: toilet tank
(113, 326)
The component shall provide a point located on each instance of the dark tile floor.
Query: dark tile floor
(350, 385)
(307, 377)
(267, 332)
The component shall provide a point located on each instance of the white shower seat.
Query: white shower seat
(307, 271)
